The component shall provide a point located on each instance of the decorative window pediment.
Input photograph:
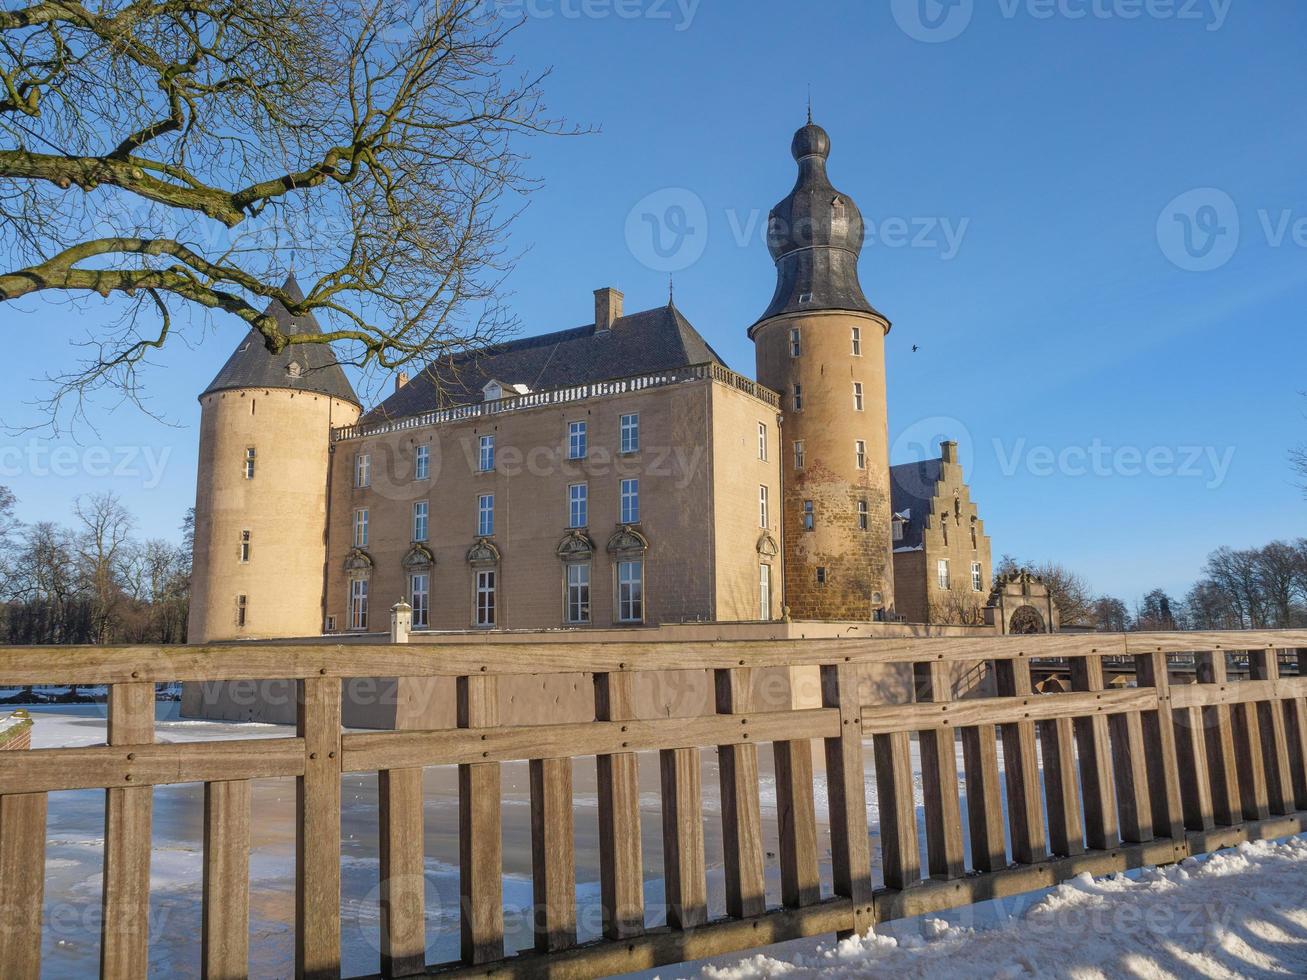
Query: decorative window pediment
(419, 557)
(627, 541)
(358, 562)
(767, 545)
(483, 552)
(576, 546)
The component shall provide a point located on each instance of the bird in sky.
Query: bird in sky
(915, 348)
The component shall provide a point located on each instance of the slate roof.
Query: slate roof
(655, 340)
(912, 488)
(315, 367)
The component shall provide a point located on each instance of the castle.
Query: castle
(610, 475)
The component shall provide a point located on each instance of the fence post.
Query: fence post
(847, 794)
(741, 811)
(317, 839)
(124, 931)
(1219, 735)
(1159, 728)
(480, 840)
(939, 778)
(621, 883)
(1264, 665)
(1095, 750)
(1021, 765)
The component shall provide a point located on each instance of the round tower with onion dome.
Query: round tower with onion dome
(261, 496)
(821, 345)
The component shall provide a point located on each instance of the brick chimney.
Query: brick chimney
(608, 308)
(949, 451)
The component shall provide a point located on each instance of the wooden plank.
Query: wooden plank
(1295, 721)
(125, 928)
(939, 779)
(1021, 766)
(1207, 641)
(553, 862)
(371, 751)
(225, 925)
(106, 766)
(1275, 743)
(900, 853)
(621, 861)
(1061, 787)
(1241, 692)
(1151, 670)
(737, 767)
(1134, 806)
(846, 793)
(403, 872)
(480, 834)
(984, 797)
(685, 878)
(1191, 760)
(22, 872)
(1094, 747)
(317, 838)
(1227, 807)
(1026, 709)
(796, 815)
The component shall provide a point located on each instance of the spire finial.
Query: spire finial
(671, 290)
(810, 103)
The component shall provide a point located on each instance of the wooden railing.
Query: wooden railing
(1145, 775)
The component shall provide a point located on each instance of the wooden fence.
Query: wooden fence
(1096, 780)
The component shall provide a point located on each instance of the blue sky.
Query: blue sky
(1090, 215)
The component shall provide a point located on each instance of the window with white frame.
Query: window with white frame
(762, 506)
(361, 528)
(798, 454)
(578, 592)
(363, 470)
(862, 515)
(630, 591)
(857, 341)
(487, 593)
(578, 505)
(245, 546)
(486, 454)
(249, 463)
(576, 440)
(422, 462)
(358, 604)
(242, 611)
(762, 441)
(486, 515)
(631, 433)
(941, 573)
(898, 529)
(857, 396)
(420, 597)
(420, 513)
(764, 592)
(798, 398)
(630, 498)
(977, 579)
(796, 347)
(809, 520)
(860, 453)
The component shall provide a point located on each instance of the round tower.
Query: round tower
(821, 345)
(261, 494)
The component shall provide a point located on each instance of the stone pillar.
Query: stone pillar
(401, 622)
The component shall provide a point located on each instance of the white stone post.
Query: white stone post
(401, 621)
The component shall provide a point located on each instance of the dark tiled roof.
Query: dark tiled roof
(655, 340)
(315, 368)
(912, 487)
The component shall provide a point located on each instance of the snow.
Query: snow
(1236, 913)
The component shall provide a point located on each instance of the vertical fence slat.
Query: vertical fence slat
(1151, 670)
(1095, 750)
(1133, 804)
(480, 837)
(124, 930)
(684, 876)
(796, 813)
(317, 841)
(1264, 665)
(1295, 717)
(225, 925)
(900, 852)
(939, 779)
(846, 792)
(553, 863)
(403, 883)
(984, 798)
(741, 810)
(1250, 765)
(22, 881)
(1191, 761)
(1021, 765)
(1227, 809)
(1057, 739)
(621, 862)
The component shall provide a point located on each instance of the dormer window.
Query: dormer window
(493, 391)
(805, 298)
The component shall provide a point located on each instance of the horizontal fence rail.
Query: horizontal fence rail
(1097, 778)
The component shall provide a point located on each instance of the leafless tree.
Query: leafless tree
(1278, 570)
(103, 547)
(1110, 614)
(1236, 574)
(182, 154)
(1069, 590)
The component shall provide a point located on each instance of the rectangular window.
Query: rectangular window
(764, 592)
(363, 470)
(630, 501)
(420, 598)
(486, 515)
(422, 463)
(808, 516)
(358, 604)
(762, 441)
(862, 515)
(857, 396)
(578, 505)
(486, 454)
(821, 574)
(420, 509)
(857, 341)
(245, 546)
(796, 348)
(630, 591)
(977, 580)
(798, 398)
(578, 592)
(631, 433)
(242, 610)
(576, 440)
(860, 453)
(941, 572)
(249, 463)
(331, 624)
(762, 506)
(361, 528)
(898, 530)
(486, 594)
(798, 454)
